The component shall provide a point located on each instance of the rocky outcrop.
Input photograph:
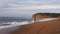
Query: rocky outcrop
(46, 15)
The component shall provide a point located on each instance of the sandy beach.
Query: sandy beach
(47, 27)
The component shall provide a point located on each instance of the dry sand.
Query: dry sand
(48, 27)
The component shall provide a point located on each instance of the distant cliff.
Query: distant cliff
(46, 15)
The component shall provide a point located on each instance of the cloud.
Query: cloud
(36, 2)
(32, 7)
(3, 2)
(39, 1)
(15, 3)
(27, 7)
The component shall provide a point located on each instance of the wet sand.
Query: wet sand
(7, 30)
(47, 27)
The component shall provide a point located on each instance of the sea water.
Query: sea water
(5, 23)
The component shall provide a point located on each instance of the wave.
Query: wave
(20, 23)
(13, 24)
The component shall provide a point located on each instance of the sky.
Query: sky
(21, 8)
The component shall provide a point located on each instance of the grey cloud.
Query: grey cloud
(19, 12)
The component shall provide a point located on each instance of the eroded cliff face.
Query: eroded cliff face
(46, 15)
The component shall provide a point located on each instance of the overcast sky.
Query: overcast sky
(28, 7)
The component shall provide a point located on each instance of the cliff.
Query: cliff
(46, 15)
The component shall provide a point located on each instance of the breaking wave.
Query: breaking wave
(12, 24)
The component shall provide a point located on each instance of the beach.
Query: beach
(7, 29)
(46, 27)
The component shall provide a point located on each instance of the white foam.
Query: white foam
(48, 19)
(14, 24)
(45, 19)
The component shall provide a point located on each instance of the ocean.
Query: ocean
(6, 22)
